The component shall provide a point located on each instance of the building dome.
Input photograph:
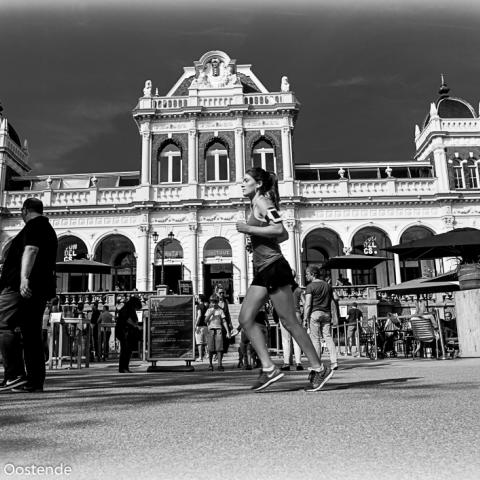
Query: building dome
(450, 107)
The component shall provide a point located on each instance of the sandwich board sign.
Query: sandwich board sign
(171, 325)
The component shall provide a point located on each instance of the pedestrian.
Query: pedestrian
(354, 317)
(104, 321)
(223, 304)
(28, 280)
(201, 329)
(273, 277)
(94, 316)
(218, 332)
(287, 338)
(127, 332)
(317, 313)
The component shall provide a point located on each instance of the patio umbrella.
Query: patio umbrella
(360, 262)
(460, 242)
(83, 266)
(422, 285)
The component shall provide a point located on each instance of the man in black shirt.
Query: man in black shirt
(27, 282)
(354, 317)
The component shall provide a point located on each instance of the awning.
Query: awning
(422, 285)
(356, 262)
(83, 266)
(460, 242)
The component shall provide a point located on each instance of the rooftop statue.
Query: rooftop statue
(147, 91)
(284, 86)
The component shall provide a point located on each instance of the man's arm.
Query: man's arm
(28, 259)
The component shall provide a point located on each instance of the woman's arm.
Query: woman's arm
(274, 229)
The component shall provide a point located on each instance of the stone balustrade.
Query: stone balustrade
(109, 196)
(215, 191)
(367, 188)
(175, 103)
(14, 200)
(168, 193)
(61, 198)
(220, 191)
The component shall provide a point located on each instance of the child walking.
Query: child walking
(218, 332)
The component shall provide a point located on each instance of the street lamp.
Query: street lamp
(162, 245)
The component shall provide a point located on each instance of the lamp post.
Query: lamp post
(162, 245)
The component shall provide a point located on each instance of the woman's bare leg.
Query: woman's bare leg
(254, 300)
(283, 303)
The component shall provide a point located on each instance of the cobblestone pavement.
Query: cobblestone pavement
(386, 419)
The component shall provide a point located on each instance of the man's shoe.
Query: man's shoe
(285, 367)
(220, 368)
(319, 379)
(267, 378)
(11, 384)
(124, 370)
(26, 388)
(334, 366)
(299, 367)
(248, 367)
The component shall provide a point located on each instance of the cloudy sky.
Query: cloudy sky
(364, 71)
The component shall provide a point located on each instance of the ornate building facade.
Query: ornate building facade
(175, 217)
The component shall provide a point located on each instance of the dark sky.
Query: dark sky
(364, 71)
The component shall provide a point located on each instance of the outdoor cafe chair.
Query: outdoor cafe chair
(423, 332)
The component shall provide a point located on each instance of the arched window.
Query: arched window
(458, 173)
(373, 241)
(217, 247)
(264, 156)
(411, 268)
(471, 174)
(170, 164)
(217, 163)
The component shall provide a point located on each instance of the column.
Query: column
(146, 146)
(287, 153)
(441, 168)
(398, 273)
(194, 265)
(292, 244)
(143, 281)
(192, 157)
(239, 155)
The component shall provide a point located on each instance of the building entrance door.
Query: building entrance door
(172, 274)
(216, 275)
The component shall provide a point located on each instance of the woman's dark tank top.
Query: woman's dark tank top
(265, 250)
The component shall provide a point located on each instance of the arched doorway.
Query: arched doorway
(218, 267)
(411, 268)
(71, 248)
(317, 247)
(172, 252)
(373, 241)
(119, 252)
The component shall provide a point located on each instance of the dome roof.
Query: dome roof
(451, 107)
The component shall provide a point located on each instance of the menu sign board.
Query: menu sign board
(171, 328)
(185, 287)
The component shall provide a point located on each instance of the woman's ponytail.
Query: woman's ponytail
(269, 186)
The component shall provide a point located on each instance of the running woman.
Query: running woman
(272, 277)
